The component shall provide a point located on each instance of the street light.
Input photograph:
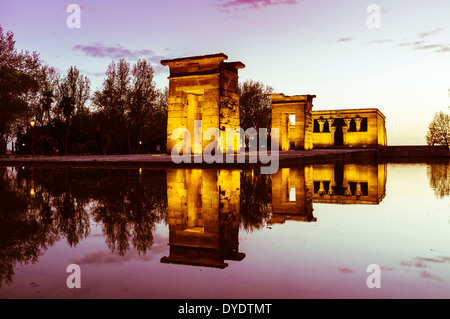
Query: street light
(32, 123)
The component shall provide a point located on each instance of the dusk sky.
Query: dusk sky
(322, 47)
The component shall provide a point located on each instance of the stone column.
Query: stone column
(347, 122)
(344, 133)
(331, 190)
(332, 131)
(348, 192)
(358, 123)
(321, 122)
(322, 190)
(358, 191)
(346, 128)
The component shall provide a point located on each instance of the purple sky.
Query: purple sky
(320, 47)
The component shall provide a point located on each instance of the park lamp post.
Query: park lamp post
(32, 123)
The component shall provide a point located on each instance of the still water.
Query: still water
(304, 232)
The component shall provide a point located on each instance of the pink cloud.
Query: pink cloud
(99, 50)
(116, 52)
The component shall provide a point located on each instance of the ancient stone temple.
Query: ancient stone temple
(203, 94)
(356, 128)
(292, 116)
(203, 217)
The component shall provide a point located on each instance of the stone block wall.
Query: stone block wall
(298, 134)
(202, 88)
(349, 123)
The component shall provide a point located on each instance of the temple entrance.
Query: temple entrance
(339, 133)
(194, 113)
(339, 136)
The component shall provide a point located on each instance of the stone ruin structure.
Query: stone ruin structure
(203, 95)
(292, 116)
(351, 128)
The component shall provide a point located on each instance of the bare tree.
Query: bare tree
(129, 98)
(255, 105)
(77, 87)
(143, 96)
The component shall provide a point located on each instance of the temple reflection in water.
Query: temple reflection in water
(204, 205)
(348, 183)
(203, 214)
(294, 190)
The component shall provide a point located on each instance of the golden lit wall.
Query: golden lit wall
(202, 88)
(203, 215)
(344, 121)
(297, 134)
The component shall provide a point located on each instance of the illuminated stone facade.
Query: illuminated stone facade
(292, 116)
(203, 215)
(355, 128)
(203, 88)
(203, 94)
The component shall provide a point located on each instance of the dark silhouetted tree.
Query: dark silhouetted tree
(18, 80)
(131, 105)
(255, 105)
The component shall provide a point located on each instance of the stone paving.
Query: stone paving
(157, 159)
(284, 157)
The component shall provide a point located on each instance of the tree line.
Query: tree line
(50, 112)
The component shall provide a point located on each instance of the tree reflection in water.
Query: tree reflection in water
(255, 200)
(439, 177)
(42, 206)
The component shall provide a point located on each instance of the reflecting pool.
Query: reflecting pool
(313, 231)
